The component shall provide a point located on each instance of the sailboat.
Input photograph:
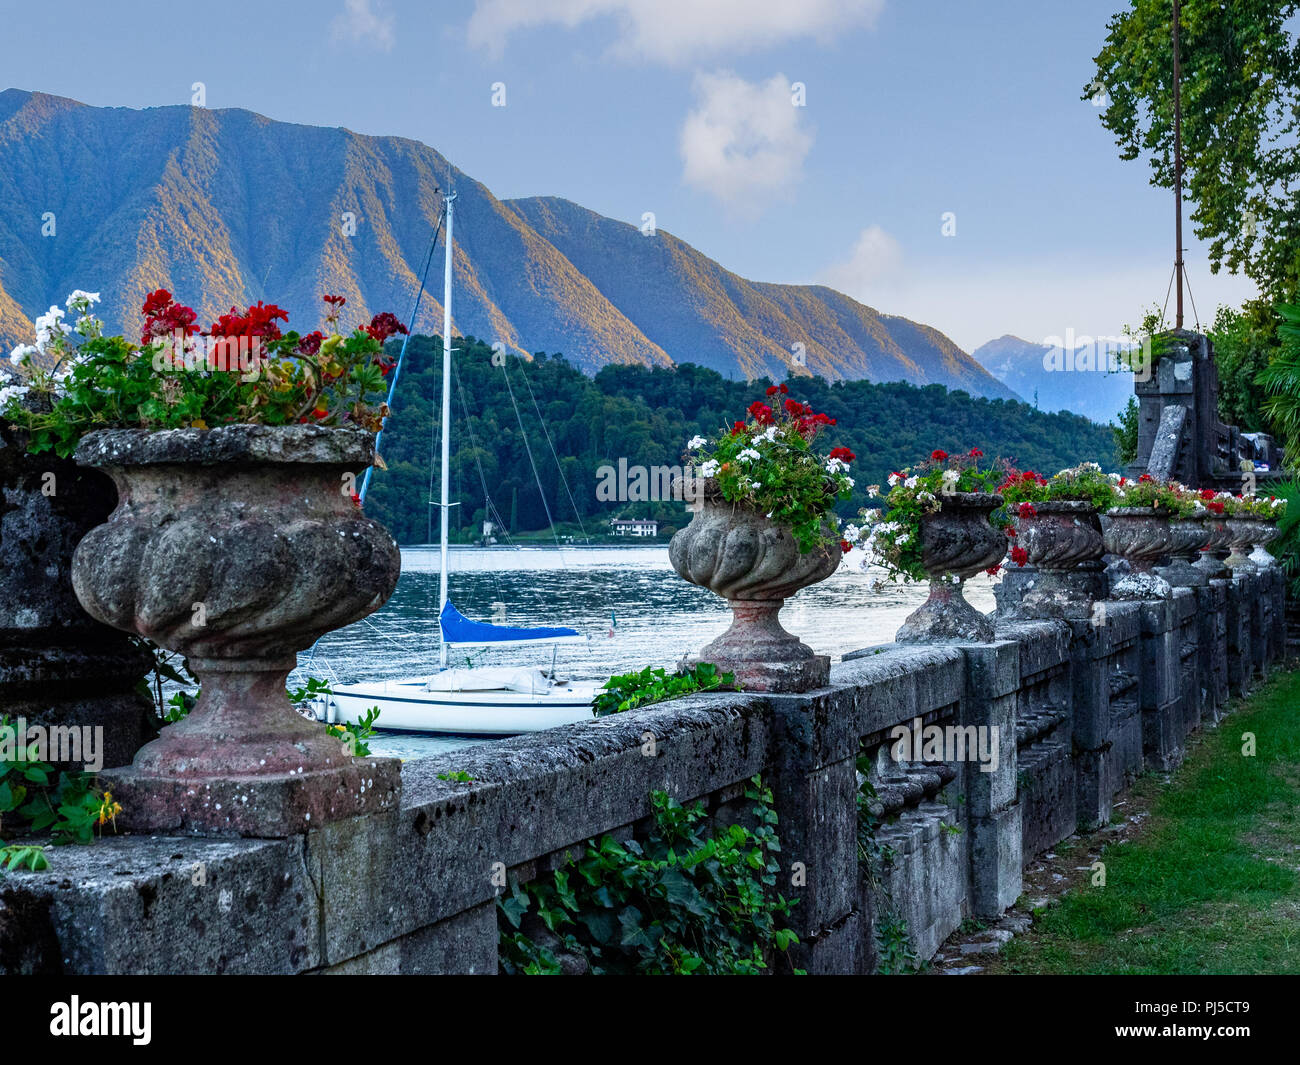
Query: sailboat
(483, 701)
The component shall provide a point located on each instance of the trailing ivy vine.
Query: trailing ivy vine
(684, 901)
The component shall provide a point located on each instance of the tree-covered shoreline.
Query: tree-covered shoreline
(645, 417)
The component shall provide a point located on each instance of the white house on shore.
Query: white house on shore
(634, 527)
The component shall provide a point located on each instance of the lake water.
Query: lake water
(655, 617)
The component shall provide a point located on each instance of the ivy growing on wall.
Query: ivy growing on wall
(687, 900)
(894, 951)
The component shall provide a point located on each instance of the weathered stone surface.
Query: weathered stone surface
(1141, 536)
(957, 542)
(1064, 543)
(58, 666)
(413, 889)
(224, 545)
(755, 565)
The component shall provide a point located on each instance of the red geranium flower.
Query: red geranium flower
(1215, 507)
(1027, 510)
(737, 428)
(938, 456)
(310, 344)
(993, 571)
(384, 325)
(976, 453)
(845, 546)
(356, 500)
(335, 301)
(1207, 493)
(772, 390)
(843, 454)
(760, 412)
(1146, 478)
(1019, 555)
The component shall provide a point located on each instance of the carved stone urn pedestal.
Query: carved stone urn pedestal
(1264, 533)
(755, 565)
(1140, 536)
(1241, 537)
(238, 547)
(1064, 542)
(1187, 537)
(957, 542)
(1209, 564)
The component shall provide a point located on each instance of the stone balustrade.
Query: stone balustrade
(1080, 705)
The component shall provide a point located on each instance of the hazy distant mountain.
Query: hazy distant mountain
(227, 207)
(1061, 380)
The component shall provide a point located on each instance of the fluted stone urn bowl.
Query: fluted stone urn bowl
(1064, 542)
(1140, 536)
(755, 565)
(238, 547)
(1220, 536)
(957, 542)
(1265, 532)
(1241, 538)
(1188, 536)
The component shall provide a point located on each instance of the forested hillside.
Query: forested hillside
(645, 416)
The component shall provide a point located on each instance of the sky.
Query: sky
(931, 158)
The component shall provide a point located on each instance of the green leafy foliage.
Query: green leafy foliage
(684, 901)
(768, 463)
(38, 800)
(1126, 433)
(1240, 102)
(630, 690)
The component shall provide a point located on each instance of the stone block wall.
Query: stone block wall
(1077, 709)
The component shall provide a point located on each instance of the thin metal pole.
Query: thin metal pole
(446, 426)
(1178, 169)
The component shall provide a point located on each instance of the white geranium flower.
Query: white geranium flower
(756, 485)
(835, 465)
(903, 539)
(21, 352)
(82, 300)
(708, 469)
(9, 392)
(696, 443)
(950, 478)
(925, 497)
(911, 482)
(749, 455)
(852, 533)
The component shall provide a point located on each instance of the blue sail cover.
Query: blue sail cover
(457, 628)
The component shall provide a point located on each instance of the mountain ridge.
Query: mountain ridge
(226, 207)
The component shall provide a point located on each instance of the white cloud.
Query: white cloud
(361, 21)
(744, 142)
(676, 31)
(876, 262)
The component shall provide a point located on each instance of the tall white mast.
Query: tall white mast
(446, 426)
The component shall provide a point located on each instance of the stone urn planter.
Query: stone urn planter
(1242, 533)
(238, 547)
(957, 542)
(755, 565)
(1140, 536)
(59, 667)
(1188, 536)
(1265, 532)
(1064, 543)
(1209, 563)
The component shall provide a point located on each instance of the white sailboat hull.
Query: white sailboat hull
(407, 705)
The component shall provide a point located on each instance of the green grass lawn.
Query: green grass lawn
(1210, 885)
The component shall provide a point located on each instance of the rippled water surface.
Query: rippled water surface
(654, 615)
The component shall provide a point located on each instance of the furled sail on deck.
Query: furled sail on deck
(458, 629)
